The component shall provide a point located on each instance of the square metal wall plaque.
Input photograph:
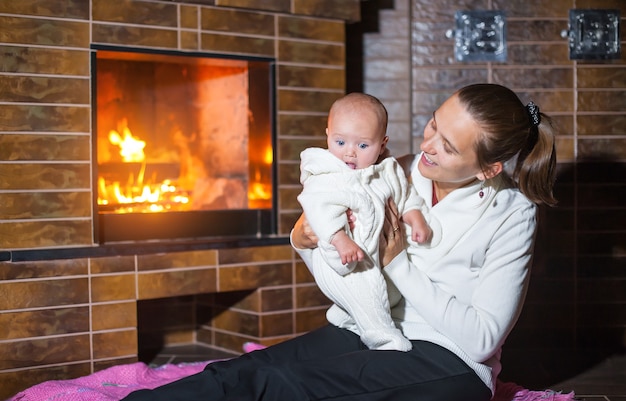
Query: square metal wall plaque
(594, 34)
(480, 36)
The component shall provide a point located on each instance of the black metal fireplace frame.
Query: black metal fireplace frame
(188, 225)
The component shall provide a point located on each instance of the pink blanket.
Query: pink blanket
(117, 382)
(110, 384)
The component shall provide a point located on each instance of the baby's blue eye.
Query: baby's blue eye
(363, 146)
(341, 143)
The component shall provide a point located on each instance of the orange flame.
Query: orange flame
(261, 190)
(131, 148)
(143, 195)
(137, 195)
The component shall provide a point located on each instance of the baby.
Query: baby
(353, 174)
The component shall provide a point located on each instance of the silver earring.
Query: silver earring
(481, 193)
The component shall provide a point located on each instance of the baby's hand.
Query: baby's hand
(421, 233)
(420, 230)
(348, 250)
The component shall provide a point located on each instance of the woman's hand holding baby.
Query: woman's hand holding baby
(392, 239)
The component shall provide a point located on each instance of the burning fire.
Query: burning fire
(260, 190)
(144, 195)
(137, 195)
(131, 148)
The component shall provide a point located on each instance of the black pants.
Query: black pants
(329, 364)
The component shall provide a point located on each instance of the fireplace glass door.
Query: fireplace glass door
(184, 145)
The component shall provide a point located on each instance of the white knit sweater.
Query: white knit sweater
(466, 293)
(330, 188)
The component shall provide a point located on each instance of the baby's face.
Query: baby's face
(355, 138)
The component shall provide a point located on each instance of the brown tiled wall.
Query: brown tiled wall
(61, 319)
(68, 317)
(574, 314)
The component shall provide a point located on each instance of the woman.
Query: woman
(460, 299)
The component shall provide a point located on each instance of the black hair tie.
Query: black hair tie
(533, 112)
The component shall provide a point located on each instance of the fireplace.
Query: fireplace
(71, 299)
(184, 144)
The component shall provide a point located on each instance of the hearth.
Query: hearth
(184, 144)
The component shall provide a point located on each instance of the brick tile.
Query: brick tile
(12, 382)
(114, 344)
(45, 32)
(159, 285)
(135, 12)
(112, 288)
(42, 60)
(247, 277)
(39, 323)
(44, 351)
(177, 260)
(114, 316)
(42, 269)
(255, 46)
(239, 21)
(314, 29)
(19, 295)
(134, 36)
(256, 254)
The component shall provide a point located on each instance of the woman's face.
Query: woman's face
(449, 156)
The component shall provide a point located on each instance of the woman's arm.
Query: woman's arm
(393, 242)
(392, 238)
(302, 236)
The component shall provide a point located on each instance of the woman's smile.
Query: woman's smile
(427, 161)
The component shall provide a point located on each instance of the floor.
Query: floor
(604, 382)
(189, 353)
